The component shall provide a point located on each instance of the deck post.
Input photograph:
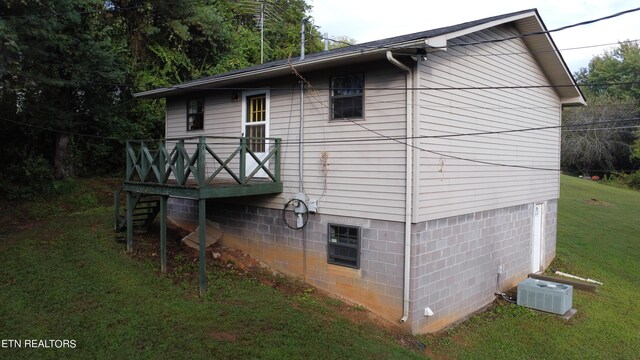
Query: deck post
(129, 175)
(202, 221)
(163, 233)
(144, 163)
(243, 159)
(129, 216)
(277, 165)
(162, 162)
(116, 209)
(202, 144)
(179, 171)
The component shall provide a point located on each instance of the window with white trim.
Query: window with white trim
(347, 97)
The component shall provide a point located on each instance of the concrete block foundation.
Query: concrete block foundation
(454, 260)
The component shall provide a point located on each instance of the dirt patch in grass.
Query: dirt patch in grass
(223, 336)
(182, 267)
(596, 202)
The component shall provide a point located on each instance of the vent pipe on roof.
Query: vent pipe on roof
(302, 23)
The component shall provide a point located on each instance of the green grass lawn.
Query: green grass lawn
(63, 276)
(599, 238)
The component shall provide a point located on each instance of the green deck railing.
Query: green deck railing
(186, 163)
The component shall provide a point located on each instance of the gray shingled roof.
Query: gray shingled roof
(381, 45)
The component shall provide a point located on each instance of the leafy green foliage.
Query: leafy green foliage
(624, 180)
(610, 83)
(341, 41)
(597, 137)
(619, 65)
(70, 68)
(27, 178)
(59, 51)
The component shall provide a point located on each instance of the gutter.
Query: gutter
(408, 211)
(267, 71)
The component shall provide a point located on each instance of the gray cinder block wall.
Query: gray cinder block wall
(454, 260)
(183, 208)
(377, 284)
(550, 231)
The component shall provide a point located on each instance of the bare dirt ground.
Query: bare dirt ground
(183, 265)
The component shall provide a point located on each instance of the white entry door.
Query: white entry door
(536, 245)
(255, 126)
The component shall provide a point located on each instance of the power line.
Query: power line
(295, 89)
(607, 128)
(459, 44)
(417, 147)
(505, 53)
(563, 128)
(544, 32)
(399, 88)
(62, 131)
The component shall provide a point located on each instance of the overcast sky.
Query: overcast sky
(367, 20)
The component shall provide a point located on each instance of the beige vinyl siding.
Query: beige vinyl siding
(448, 186)
(221, 119)
(363, 179)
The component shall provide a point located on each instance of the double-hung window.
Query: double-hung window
(344, 246)
(256, 121)
(195, 114)
(347, 97)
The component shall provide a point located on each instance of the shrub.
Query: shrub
(634, 180)
(631, 180)
(30, 177)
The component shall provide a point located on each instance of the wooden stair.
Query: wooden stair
(145, 210)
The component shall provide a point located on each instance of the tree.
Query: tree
(620, 65)
(69, 69)
(341, 41)
(53, 55)
(610, 84)
(597, 138)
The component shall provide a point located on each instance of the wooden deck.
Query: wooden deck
(221, 188)
(199, 168)
(183, 171)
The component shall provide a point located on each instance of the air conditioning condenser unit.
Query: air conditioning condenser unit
(545, 296)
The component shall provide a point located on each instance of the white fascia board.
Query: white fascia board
(573, 101)
(438, 41)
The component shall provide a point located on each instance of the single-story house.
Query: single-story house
(415, 175)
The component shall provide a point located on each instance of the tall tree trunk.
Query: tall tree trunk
(62, 160)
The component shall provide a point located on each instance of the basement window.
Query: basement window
(344, 246)
(347, 97)
(195, 114)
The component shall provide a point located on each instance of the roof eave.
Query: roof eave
(545, 52)
(300, 65)
(574, 101)
(550, 60)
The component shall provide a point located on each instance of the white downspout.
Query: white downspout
(408, 211)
